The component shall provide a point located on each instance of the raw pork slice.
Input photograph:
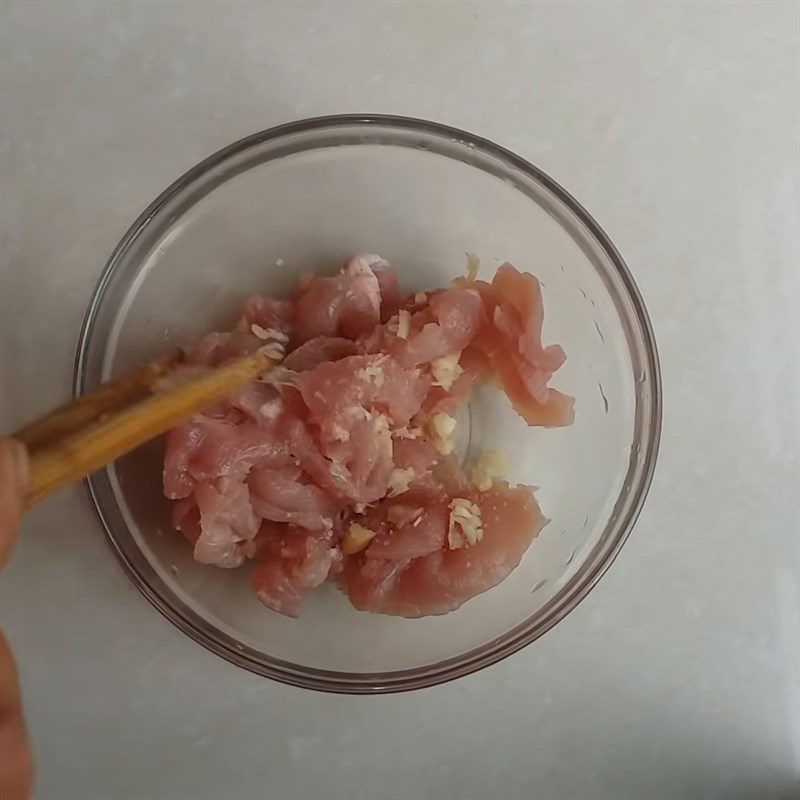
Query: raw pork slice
(227, 522)
(395, 580)
(445, 326)
(292, 563)
(348, 304)
(339, 463)
(511, 338)
(281, 496)
(205, 449)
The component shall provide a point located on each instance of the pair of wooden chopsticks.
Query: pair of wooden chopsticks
(88, 433)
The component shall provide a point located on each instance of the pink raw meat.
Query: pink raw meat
(421, 534)
(417, 454)
(403, 584)
(266, 312)
(205, 449)
(339, 435)
(446, 326)
(227, 521)
(345, 305)
(334, 392)
(280, 496)
(292, 563)
(319, 350)
(511, 338)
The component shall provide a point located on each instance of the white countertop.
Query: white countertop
(676, 125)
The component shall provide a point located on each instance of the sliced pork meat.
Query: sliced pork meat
(388, 282)
(227, 521)
(319, 350)
(348, 304)
(340, 463)
(511, 338)
(419, 573)
(205, 449)
(268, 315)
(287, 496)
(446, 325)
(292, 562)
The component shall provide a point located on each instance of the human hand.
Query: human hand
(16, 768)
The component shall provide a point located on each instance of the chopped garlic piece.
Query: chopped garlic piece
(269, 333)
(421, 297)
(274, 350)
(359, 508)
(446, 370)
(339, 471)
(271, 410)
(399, 480)
(403, 323)
(491, 464)
(473, 262)
(339, 433)
(357, 538)
(466, 516)
(372, 372)
(440, 428)
(383, 436)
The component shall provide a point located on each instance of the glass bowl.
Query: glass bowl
(306, 195)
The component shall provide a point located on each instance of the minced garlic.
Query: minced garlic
(403, 323)
(473, 263)
(374, 373)
(356, 538)
(269, 333)
(440, 429)
(491, 464)
(274, 350)
(445, 370)
(399, 480)
(271, 410)
(339, 471)
(466, 526)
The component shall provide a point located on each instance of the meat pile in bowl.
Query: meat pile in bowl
(339, 464)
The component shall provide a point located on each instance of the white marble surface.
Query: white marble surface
(676, 125)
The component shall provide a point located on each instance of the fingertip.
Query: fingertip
(19, 461)
(13, 462)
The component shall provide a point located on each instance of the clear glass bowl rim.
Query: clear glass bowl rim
(560, 605)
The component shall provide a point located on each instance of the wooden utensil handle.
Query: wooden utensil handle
(88, 408)
(67, 448)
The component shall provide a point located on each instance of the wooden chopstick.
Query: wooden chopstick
(80, 448)
(88, 408)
